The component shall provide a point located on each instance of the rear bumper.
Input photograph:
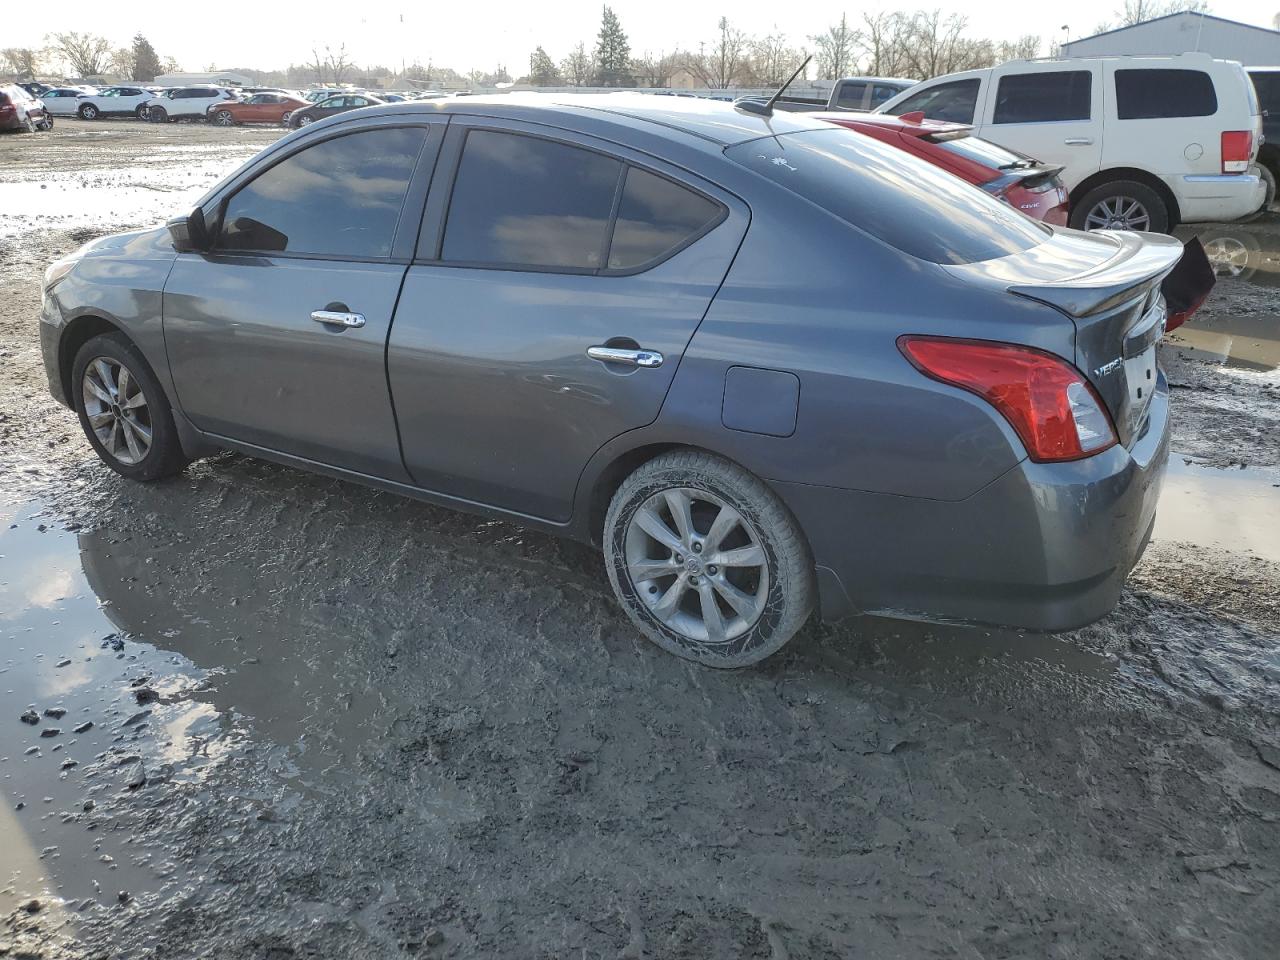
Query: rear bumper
(1045, 546)
(1217, 197)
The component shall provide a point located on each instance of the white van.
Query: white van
(1145, 143)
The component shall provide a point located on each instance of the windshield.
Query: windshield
(906, 202)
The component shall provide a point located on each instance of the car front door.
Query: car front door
(543, 257)
(276, 336)
(1050, 112)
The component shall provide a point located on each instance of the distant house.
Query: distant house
(216, 78)
(1184, 33)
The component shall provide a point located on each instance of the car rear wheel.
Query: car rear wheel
(1121, 205)
(707, 561)
(223, 118)
(284, 120)
(141, 111)
(305, 119)
(88, 111)
(123, 410)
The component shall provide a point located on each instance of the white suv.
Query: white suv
(185, 103)
(1145, 142)
(114, 100)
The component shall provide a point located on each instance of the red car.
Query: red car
(1025, 184)
(258, 108)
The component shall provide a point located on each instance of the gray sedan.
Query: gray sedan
(768, 365)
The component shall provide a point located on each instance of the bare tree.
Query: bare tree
(22, 61)
(881, 41)
(835, 50)
(933, 45)
(773, 59)
(578, 68)
(651, 71)
(1139, 11)
(331, 66)
(87, 54)
(121, 62)
(720, 66)
(1024, 48)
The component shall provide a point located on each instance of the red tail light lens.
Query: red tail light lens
(1237, 150)
(1054, 410)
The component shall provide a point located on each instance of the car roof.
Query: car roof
(880, 79)
(913, 128)
(716, 121)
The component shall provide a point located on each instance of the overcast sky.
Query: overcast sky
(470, 34)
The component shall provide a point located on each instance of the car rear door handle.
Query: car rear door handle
(337, 318)
(632, 358)
(1078, 141)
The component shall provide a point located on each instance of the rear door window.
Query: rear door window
(1043, 97)
(340, 198)
(852, 95)
(1163, 94)
(655, 218)
(521, 201)
(899, 199)
(953, 101)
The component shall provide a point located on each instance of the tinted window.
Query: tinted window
(333, 102)
(902, 200)
(1043, 97)
(953, 101)
(982, 151)
(525, 201)
(851, 95)
(340, 198)
(1149, 94)
(881, 92)
(1267, 84)
(654, 217)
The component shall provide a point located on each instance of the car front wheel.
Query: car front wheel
(123, 410)
(706, 560)
(88, 111)
(223, 118)
(157, 115)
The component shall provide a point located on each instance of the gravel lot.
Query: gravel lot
(328, 722)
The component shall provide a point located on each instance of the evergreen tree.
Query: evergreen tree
(613, 53)
(542, 69)
(146, 62)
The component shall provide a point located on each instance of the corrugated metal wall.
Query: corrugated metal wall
(1184, 33)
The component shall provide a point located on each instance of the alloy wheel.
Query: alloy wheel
(117, 410)
(305, 119)
(223, 118)
(1228, 256)
(1118, 213)
(697, 564)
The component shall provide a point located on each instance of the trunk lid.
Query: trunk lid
(1109, 285)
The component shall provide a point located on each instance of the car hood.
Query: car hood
(147, 244)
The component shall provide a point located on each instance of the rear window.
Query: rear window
(1267, 85)
(899, 199)
(982, 151)
(1043, 97)
(1163, 94)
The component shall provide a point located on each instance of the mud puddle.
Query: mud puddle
(1236, 509)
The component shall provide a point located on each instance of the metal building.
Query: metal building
(1184, 33)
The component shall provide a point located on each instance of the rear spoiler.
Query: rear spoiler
(1140, 262)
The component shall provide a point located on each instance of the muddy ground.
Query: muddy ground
(327, 722)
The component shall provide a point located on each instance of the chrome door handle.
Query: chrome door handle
(632, 358)
(1078, 141)
(338, 319)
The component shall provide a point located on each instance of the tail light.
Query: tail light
(1056, 412)
(1237, 150)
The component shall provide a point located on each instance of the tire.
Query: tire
(87, 111)
(772, 599)
(284, 120)
(223, 118)
(141, 111)
(303, 120)
(29, 125)
(157, 115)
(1269, 181)
(1121, 199)
(125, 449)
(48, 123)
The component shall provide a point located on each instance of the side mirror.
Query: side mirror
(189, 233)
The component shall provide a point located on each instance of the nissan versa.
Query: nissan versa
(768, 364)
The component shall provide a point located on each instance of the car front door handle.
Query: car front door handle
(631, 358)
(1078, 141)
(338, 318)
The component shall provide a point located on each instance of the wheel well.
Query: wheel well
(1269, 157)
(77, 334)
(611, 478)
(1130, 173)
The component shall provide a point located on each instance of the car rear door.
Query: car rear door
(1050, 111)
(558, 281)
(277, 336)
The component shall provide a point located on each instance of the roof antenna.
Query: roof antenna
(751, 105)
